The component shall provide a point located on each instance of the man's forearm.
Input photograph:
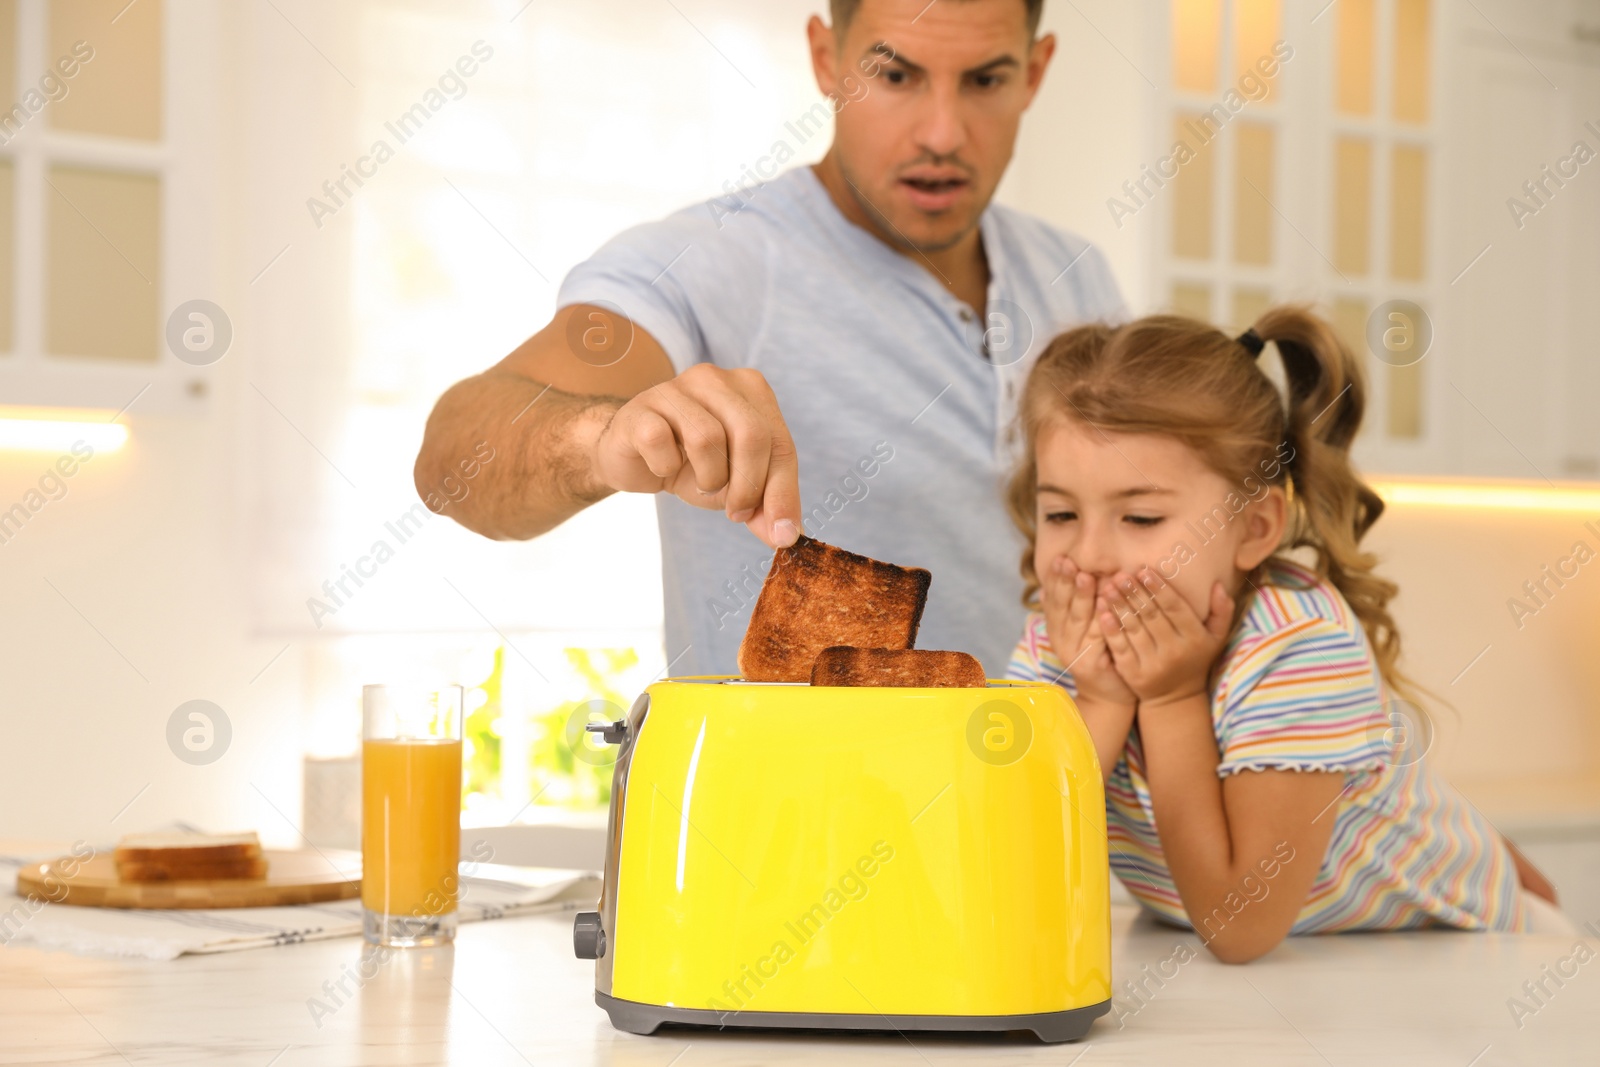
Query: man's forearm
(543, 439)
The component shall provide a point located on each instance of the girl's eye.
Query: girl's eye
(1060, 516)
(1143, 520)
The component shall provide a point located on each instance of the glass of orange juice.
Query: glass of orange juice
(410, 813)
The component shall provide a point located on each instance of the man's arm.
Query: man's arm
(588, 406)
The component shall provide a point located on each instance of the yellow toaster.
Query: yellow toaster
(788, 855)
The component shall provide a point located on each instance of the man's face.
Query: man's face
(932, 96)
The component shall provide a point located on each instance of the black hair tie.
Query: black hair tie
(1252, 341)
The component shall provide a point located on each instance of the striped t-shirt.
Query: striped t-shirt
(1299, 689)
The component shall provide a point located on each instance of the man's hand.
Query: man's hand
(1067, 596)
(714, 438)
(1160, 646)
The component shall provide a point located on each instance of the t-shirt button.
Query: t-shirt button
(966, 314)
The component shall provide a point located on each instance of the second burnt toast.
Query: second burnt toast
(921, 667)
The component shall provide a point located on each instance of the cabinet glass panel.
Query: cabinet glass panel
(1256, 27)
(117, 90)
(1196, 44)
(102, 256)
(8, 66)
(8, 256)
(1254, 151)
(1352, 205)
(1408, 176)
(1405, 401)
(1193, 197)
(1248, 306)
(1192, 299)
(1353, 69)
(1412, 60)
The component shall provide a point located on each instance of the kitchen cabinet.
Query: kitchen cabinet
(1519, 343)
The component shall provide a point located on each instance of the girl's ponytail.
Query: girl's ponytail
(1331, 508)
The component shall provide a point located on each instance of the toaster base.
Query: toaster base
(1050, 1027)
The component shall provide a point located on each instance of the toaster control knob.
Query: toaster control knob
(611, 733)
(588, 936)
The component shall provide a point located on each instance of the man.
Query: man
(849, 337)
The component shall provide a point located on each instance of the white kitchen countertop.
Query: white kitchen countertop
(511, 992)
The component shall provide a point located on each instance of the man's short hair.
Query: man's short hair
(842, 11)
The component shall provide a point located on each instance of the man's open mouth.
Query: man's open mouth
(935, 185)
(935, 192)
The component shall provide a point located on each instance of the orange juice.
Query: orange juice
(410, 826)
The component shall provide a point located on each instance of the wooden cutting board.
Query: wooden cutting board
(297, 877)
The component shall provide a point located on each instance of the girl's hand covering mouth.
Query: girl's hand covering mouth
(1067, 596)
(1160, 647)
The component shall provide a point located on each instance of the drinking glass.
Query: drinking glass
(410, 814)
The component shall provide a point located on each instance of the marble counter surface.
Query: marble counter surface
(511, 992)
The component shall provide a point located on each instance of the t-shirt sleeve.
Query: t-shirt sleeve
(1033, 660)
(1308, 697)
(697, 288)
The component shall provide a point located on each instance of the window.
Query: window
(456, 242)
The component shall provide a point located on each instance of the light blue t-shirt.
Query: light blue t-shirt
(900, 407)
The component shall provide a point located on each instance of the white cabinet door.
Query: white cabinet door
(1515, 349)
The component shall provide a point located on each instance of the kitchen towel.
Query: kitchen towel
(167, 934)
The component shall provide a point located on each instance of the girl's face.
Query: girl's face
(1114, 503)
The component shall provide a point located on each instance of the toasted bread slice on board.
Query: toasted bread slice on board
(818, 595)
(170, 857)
(926, 667)
(134, 871)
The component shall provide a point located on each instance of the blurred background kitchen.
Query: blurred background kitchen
(244, 246)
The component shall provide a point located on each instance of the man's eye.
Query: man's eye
(895, 77)
(1143, 520)
(986, 81)
(1060, 516)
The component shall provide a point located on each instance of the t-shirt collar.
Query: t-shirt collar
(911, 267)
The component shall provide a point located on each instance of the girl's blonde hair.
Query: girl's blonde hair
(1180, 378)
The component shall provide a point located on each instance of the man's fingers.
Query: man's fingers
(716, 439)
(748, 434)
(652, 439)
(698, 434)
(777, 521)
(703, 440)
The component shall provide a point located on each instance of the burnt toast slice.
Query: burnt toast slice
(816, 595)
(920, 667)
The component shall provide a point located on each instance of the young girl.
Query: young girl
(1258, 783)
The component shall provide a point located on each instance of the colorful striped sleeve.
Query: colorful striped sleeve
(1033, 660)
(1304, 697)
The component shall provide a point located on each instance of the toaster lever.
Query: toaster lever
(611, 733)
(588, 936)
